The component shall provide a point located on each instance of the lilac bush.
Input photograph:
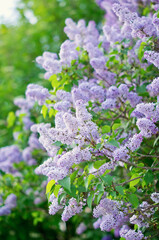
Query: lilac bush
(99, 132)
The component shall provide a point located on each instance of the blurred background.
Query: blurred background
(27, 29)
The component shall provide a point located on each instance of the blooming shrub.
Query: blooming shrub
(101, 118)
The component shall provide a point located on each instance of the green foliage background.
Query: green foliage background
(21, 44)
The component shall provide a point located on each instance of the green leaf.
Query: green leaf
(155, 142)
(98, 146)
(141, 90)
(136, 181)
(149, 177)
(89, 200)
(66, 183)
(115, 126)
(98, 197)
(51, 112)
(120, 189)
(113, 194)
(141, 50)
(106, 129)
(11, 119)
(114, 143)
(73, 175)
(98, 164)
(88, 180)
(57, 143)
(56, 190)
(133, 200)
(44, 111)
(50, 185)
(100, 187)
(107, 179)
(54, 82)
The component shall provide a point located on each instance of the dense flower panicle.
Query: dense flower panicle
(71, 123)
(112, 34)
(50, 169)
(59, 122)
(124, 14)
(123, 91)
(134, 98)
(11, 201)
(139, 220)
(110, 103)
(50, 63)
(155, 197)
(46, 55)
(27, 156)
(4, 211)
(68, 53)
(93, 52)
(156, 21)
(145, 207)
(37, 93)
(63, 95)
(111, 216)
(143, 27)
(107, 223)
(156, 6)
(153, 88)
(97, 93)
(131, 234)
(34, 142)
(152, 57)
(8, 156)
(149, 111)
(97, 223)
(82, 114)
(23, 103)
(147, 127)
(27, 123)
(137, 114)
(77, 94)
(54, 207)
(62, 106)
(98, 63)
(121, 153)
(135, 142)
(112, 92)
(81, 34)
(106, 166)
(81, 228)
(72, 209)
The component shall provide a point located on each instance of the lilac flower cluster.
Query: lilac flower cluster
(152, 57)
(8, 156)
(9, 204)
(153, 88)
(110, 217)
(81, 228)
(141, 26)
(37, 93)
(79, 130)
(155, 197)
(33, 143)
(117, 96)
(129, 234)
